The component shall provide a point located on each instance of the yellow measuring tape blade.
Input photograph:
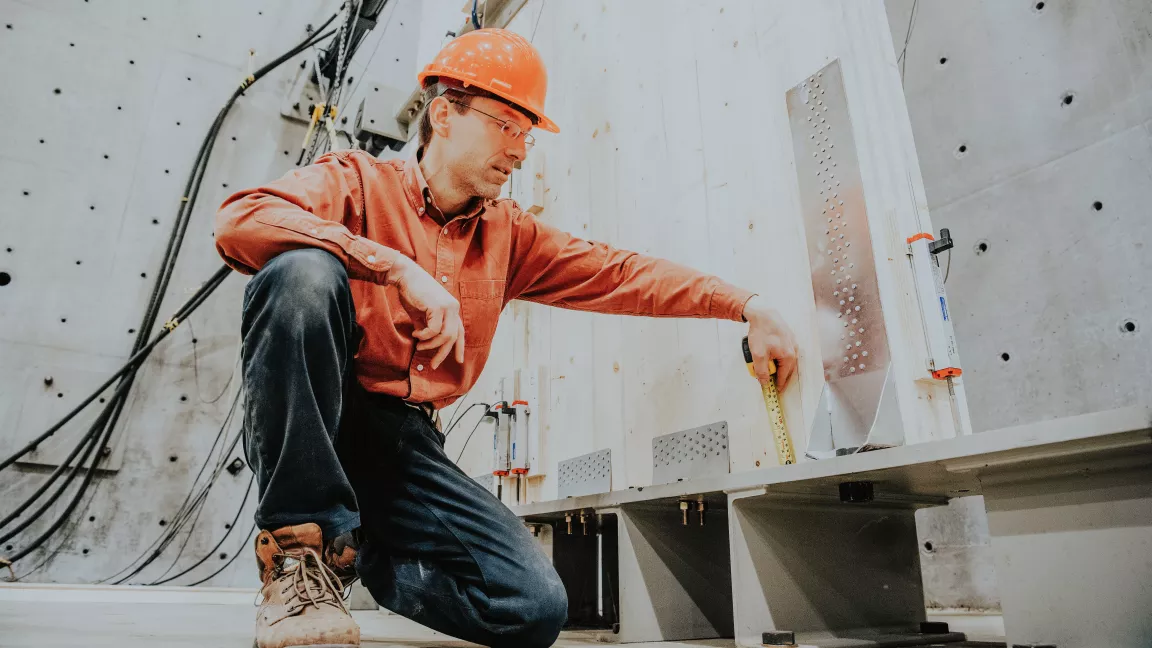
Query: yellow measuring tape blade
(785, 452)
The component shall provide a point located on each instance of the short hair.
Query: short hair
(461, 99)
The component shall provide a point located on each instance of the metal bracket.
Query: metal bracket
(690, 454)
(585, 475)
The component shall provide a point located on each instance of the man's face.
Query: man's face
(479, 156)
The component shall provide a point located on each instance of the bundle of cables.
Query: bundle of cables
(92, 447)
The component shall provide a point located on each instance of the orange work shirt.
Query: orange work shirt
(368, 211)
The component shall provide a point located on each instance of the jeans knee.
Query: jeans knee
(546, 616)
(299, 287)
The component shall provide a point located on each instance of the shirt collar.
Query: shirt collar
(421, 196)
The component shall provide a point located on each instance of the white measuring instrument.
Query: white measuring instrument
(785, 453)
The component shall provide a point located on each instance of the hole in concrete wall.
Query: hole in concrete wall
(9, 249)
(1129, 326)
(163, 522)
(224, 184)
(1097, 205)
(1039, 6)
(41, 140)
(131, 331)
(285, 152)
(166, 171)
(91, 207)
(194, 340)
(183, 397)
(1067, 100)
(101, 400)
(928, 546)
(56, 91)
(131, 62)
(5, 278)
(119, 107)
(77, 262)
(85, 552)
(981, 247)
(962, 150)
(91, 518)
(227, 525)
(143, 275)
(9, 25)
(943, 60)
(233, 138)
(223, 556)
(1005, 357)
(63, 320)
(172, 459)
(177, 123)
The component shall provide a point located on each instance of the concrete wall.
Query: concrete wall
(1051, 103)
(90, 181)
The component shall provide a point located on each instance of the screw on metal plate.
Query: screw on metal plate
(236, 466)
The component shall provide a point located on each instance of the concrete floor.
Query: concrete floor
(133, 617)
(49, 616)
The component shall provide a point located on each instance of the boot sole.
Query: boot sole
(317, 645)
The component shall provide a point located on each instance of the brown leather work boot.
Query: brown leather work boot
(303, 604)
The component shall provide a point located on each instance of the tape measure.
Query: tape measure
(784, 450)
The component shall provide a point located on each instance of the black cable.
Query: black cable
(230, 560)
(212, 551)
(90, 445)
(192, 303)
(110, 416)
(456, 421)
(63, 541)
(474, 428)
(157, 548)
(200, 506)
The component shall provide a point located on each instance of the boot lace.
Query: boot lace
(312, 583)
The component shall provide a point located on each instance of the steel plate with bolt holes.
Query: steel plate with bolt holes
(585, 475)
(850, 323)
(689, 454)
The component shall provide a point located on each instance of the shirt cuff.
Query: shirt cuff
(728, 302)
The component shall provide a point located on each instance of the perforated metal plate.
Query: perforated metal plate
(698, 452)
(850, 323)
(586, 475)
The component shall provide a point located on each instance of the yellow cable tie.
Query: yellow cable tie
(183, 198)
(171, 324)
(332, 112)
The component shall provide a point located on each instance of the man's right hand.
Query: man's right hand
(443, 328)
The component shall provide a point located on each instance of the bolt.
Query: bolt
(583, 522)
(700, 508)
(568, 519)
(684, 512)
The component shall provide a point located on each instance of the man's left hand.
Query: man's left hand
(769, 338)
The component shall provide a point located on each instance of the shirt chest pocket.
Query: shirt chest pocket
(480, 304)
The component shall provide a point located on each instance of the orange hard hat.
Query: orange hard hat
(497, 61)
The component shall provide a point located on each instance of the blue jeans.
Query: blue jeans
(435, 546)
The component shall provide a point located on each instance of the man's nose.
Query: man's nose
(517, 149)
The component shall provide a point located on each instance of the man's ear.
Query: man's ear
(438, 112)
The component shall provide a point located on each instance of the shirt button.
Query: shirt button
(444, 279)
(421, 210)
(371, 258)
(419, 367)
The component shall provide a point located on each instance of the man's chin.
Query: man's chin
(488, 191)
